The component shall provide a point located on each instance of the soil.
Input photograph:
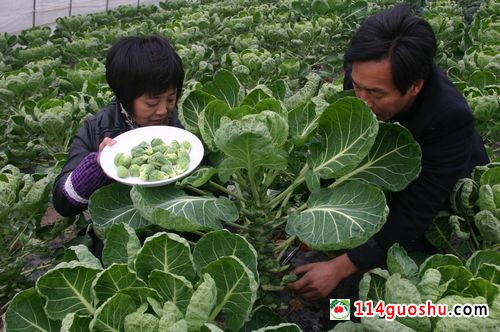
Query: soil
(314, 316)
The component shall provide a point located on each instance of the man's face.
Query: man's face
(372, 82)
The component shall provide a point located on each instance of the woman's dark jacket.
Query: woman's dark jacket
(442, 123)
(108, 122)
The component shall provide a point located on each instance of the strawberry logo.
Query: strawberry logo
(339, 309)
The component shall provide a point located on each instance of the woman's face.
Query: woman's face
(154, 110)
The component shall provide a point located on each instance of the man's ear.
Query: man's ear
(416, 87)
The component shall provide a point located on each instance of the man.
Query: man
(390, 64)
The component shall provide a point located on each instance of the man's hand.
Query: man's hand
(319, 279)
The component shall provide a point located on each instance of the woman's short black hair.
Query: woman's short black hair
(395, 34)
(137, 65)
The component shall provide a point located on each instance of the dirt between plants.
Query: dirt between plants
(314, 316)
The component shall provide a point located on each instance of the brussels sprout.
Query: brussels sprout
(496, 195)
(141, 149)
(122, 171)
(139, 160)
(182, 164)
(156, 142)
(157, 175)
(170, 149)
(169, 169)
(144, 171)
(138, 150)
(172, 157)
(118, 156)
(288, 278)
(160, 148)
(134, 170)
(174, 144)
(122, 159)
(182, 154)
(157, 160)
(186, 146)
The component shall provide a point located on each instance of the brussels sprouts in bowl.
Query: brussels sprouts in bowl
(152, 156)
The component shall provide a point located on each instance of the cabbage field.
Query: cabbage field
(263, 91)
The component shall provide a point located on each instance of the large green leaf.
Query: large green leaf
(257, 94)
(302, 121)
(111, 315)
(379, 325)
(400, 290)
(236, 290)
(248, 146)
(392, 162)
(221, 243)
(463, 195)
(438, 260)
(282, 327)
(67, 288)
(372, 286)
(166, 252)
(202, 303)
(490, 177)
(348, 129)
(478, 258)
(464, 323)
(459, 274)
(210, 120)
(350, 326)
(398, 261)
(83, 255)
(170, 314)
(273, 105)
(276, 124)
(490, 272)
(120, 245)
(113, 279)
(429, 285)
(190, 108)
(483, 288)
(171, 287)
(141, 295)
(198, 178)
(112, 205)
(262, 316)
(75, 323)
(226, 87)
(488, 226)
(171, 208)
(25, 313)
(439, 232)
(141, 322)
(342, 218)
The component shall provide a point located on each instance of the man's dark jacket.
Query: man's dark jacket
(108, 122)
(442, 123)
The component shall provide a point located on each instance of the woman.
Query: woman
(146, 76)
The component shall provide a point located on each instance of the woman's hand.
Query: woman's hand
(105, 141)
(320, 279)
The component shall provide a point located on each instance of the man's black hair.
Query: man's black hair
(137, 65)
(396, 34)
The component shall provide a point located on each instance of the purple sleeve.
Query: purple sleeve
(86, 178)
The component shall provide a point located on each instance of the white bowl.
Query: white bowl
(126, 141)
